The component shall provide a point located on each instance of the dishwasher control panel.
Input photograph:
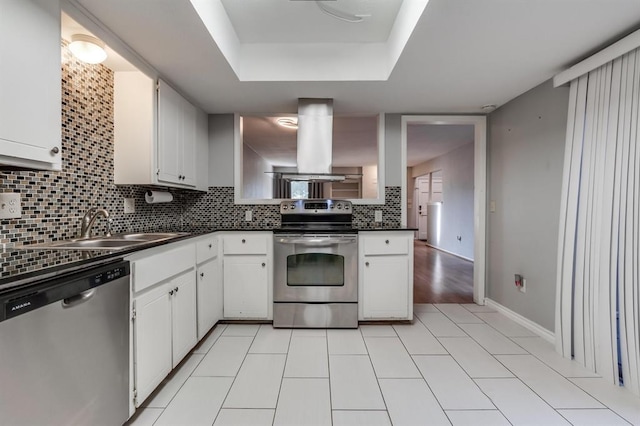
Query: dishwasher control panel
(57, 289)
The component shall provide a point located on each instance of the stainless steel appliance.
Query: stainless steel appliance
(316, 266)
(65, 349)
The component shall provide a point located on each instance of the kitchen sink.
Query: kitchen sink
(149, 236)
(93, 244)
(114, 242)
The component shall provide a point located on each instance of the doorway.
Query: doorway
(473, 238)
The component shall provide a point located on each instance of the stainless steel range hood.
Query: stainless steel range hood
(315, 142)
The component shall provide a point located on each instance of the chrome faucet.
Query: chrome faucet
(90, 217)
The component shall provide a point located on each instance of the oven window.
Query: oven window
(315, 269)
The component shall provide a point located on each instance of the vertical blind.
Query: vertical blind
(598, 295)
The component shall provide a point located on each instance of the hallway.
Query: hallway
(440, 277)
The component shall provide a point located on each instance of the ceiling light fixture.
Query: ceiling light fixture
(288, 122)
(87, 48)
(488, 107)
(338, 14)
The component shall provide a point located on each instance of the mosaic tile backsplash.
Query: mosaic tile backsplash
(53, 203)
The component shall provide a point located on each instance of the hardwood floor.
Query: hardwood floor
(440, 277)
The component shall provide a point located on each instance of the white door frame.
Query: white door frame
(480, 187)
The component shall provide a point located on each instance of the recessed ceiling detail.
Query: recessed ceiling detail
(293, 40)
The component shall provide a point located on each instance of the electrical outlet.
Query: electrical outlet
(248, 215)
(523, 287)
(10, 205)
(492, 206)
(129, 205)
(378, 215)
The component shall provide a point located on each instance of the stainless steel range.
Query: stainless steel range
(316, 266)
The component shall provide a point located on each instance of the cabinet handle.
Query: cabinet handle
(209, 245)
(171, 293)
(386, 241)
(366, 264)
(264, 264)
(55, 150)
(201, 274)
(176, 289)
(244, 241)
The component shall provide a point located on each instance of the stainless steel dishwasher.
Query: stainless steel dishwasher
(64, 350)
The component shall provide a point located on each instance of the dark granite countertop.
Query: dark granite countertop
(23, 265)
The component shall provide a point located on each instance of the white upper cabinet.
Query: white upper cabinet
(176, 137)
(30, 84)
(159, 135)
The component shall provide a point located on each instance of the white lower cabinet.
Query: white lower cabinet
(247, 275)
(385, 294)
(152, 337)
(164, 322)
(209, 296)
(209, 279)
(246, 293)
(386, 275)
(164, 331)
(183, 315)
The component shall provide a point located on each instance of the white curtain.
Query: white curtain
(598, 251)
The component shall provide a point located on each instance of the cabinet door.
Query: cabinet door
(209, 296)
(188, 163)
(183, 310)
(30, 88)
(152, 340)
(385, 287)
(246, 292)
(170, 111)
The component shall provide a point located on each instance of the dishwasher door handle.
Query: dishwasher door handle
(72, 301)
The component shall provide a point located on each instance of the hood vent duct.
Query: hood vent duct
(315, 135)
(315, 142)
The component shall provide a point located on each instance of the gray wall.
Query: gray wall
(393, 162)
(221, 150)
(457, 197)
(525, 154)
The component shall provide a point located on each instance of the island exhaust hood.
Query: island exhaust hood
(315, 142)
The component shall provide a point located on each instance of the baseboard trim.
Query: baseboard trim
(525, 322)
(449, 252)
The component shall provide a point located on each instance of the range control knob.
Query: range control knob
(346, 206)
(332, 207)
(293, 206)
(285, 207)
(339, 206)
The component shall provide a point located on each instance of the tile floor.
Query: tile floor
(456, 364)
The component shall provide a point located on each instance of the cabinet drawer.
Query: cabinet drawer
(385, 244)
(206, 249)
(158, 267)
(245, 244)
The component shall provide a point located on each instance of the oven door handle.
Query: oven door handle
(317, 241)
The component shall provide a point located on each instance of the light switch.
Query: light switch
(492, 206)
(248, 216)
(10, 205)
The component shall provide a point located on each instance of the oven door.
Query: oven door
(315, 268)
